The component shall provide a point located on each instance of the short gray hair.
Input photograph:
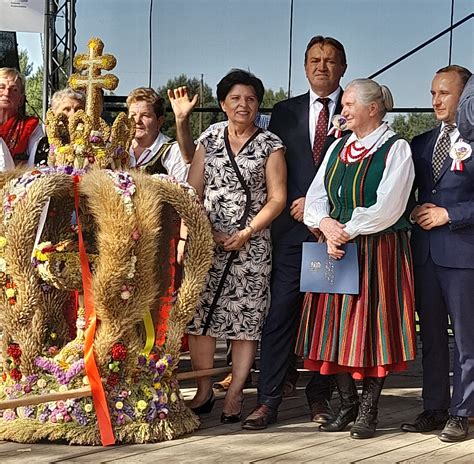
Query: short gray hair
(369, 91)
(15, 75)
(60, 95)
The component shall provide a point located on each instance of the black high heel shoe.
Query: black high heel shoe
(233, 418)
(205, 408)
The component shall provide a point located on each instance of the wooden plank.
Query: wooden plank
(292, 439)
(46, 398)
(204, 373)
(456, 452)
(345, 449)
(410, 451)
(41, 453)
(250, 446)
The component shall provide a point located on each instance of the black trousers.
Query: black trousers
(280, 328)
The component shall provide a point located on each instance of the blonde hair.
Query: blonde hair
(60, 95)
(15, 74)
(369, 91)
(148, 95)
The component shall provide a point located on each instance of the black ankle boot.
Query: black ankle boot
(366, 421)
(349, 404)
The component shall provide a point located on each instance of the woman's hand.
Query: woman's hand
(333, 231)
(220, 237)
(238, 240)
(334, 252)
(181, 104)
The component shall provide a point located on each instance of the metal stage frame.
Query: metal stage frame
(59, 46)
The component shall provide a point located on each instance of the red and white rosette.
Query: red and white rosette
(339, 124)
(460, 152)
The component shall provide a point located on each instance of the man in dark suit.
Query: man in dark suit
(302, 123)
(443, 255)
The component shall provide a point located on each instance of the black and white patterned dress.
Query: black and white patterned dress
(240, 307)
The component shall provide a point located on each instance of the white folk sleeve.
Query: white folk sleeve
(6, 160)
(174, 163)
(316, 205)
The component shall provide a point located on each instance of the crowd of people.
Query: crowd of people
(409, 208)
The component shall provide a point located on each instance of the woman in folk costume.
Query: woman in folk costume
(360, 195)
(21, 134)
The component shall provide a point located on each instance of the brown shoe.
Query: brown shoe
(321, 412)
(224, 384)
(260, 417)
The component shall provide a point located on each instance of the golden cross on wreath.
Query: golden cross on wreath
(92, 81)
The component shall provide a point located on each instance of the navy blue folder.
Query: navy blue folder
(322, 274)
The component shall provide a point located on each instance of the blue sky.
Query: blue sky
(212, 36)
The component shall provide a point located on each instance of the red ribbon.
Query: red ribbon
(457, 165)
(95, 382)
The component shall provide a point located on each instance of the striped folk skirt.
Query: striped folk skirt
(370, 334)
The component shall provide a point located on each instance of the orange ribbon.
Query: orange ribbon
(98, 394)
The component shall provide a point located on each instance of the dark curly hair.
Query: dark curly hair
(239, 76)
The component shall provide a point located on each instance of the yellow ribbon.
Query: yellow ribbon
(150, 333)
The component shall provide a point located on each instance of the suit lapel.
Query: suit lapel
(429, 150)
(338, 109)
(302, 112)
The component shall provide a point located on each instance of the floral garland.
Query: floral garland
(172, 180)
(151, 394)
(20, 186)
(119, 353)
(59, 265)
(14, 361)
(125, 187)
(18, 190)
(6, 281)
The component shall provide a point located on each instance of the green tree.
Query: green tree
(413, 124)
(270, 98)
(34, 85)
(25, 66)
(198, 120)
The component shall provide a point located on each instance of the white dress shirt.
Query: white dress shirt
(315, 108)
(453, 135)
(172, 161)
(392, 193)
(33, 141)
(6, 160)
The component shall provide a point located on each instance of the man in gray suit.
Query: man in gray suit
(465, 116)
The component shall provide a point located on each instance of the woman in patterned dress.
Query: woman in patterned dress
(240, 173)
(360, 195)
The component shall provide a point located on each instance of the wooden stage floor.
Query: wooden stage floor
(293, 439)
